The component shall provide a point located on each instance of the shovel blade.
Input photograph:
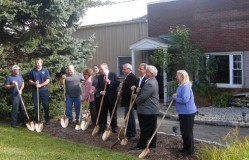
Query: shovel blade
(95, 131)
(106, 134)
(30, 126)
(64, 122)
(39, 127)
(77, 127)
(124, 141)
(84, 125)
(144, 153)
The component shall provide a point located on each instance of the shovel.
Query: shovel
(122, 127)
(77, 126)
(96, 128)
(39, 125)
(86, 120)
(30, 124)
(125, 139)
(64, 120)
(146, 150)
(108, 130)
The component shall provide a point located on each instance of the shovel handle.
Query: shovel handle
(23, 103)
(160, 123)
(101, 103)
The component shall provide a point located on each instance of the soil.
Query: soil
(167, 145)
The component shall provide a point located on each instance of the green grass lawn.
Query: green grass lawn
(22, 144)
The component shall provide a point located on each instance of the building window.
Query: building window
(121, 61)
(230, 69)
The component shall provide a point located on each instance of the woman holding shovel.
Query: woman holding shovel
(88, 95)
(185, 107)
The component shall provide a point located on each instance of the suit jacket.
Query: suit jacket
(111, 89)
(129, 81)
(148, 98)
(141, 85)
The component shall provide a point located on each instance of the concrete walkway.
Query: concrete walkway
(205, 132)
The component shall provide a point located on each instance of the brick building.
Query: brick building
(219, 27)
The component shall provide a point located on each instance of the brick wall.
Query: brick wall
(216, 25)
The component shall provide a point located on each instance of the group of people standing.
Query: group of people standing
(101, 84)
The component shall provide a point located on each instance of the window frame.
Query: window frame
(118, 72)
(231, 69)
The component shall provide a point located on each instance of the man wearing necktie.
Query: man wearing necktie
(110, 94)
(126, 92)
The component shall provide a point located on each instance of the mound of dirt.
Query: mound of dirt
(167, 145)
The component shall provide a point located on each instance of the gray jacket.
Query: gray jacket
(148, 98)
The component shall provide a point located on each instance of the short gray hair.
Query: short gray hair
(128, 65)
(152, 69)
(144, 64)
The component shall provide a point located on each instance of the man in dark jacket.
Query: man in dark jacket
(126, 92)
(110, 94)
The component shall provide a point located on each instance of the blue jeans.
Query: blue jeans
(131, 128)
(70, 101)
(43, 97)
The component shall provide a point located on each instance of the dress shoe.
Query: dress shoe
(47, 123)
(182, 150)
(114, 130)
(135, 148)
(152, 146)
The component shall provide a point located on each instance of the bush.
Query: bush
(222, 99)
(235, 148)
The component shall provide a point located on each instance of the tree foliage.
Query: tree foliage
(42, 28)
(182, 54)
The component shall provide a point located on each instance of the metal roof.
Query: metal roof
(119, 12)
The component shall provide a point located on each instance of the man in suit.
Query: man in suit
(110, 94)
(141, 79)
(126, 92)
(148, 108)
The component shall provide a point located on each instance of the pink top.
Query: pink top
(89, 89)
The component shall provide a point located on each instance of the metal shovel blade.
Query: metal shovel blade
(106, 134)
(84, 124)
(144, 153)
(64, 122)
(77, 127)
(124, 141)
(30, 126)
(39, 127)
(95, 131)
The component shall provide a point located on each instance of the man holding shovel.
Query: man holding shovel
(13, 80)
(39, 80)
(72, 80)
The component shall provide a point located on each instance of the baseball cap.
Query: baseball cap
(15, 67)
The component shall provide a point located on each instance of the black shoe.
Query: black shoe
(130, 136)
(135, 148)
(114, 131)
(101, 132)
(181, 150)
(47, 123)
(13, 126)
(152, 146)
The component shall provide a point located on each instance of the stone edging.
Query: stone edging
(200, 140)
(210, 122)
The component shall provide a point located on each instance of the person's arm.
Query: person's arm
(144, 94)
(9, 86)
(184, 95)
(86, 93)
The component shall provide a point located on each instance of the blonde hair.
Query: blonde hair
(185, 76)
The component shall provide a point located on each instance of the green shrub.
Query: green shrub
(222, 99)
(205, 90)
(235, 148)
